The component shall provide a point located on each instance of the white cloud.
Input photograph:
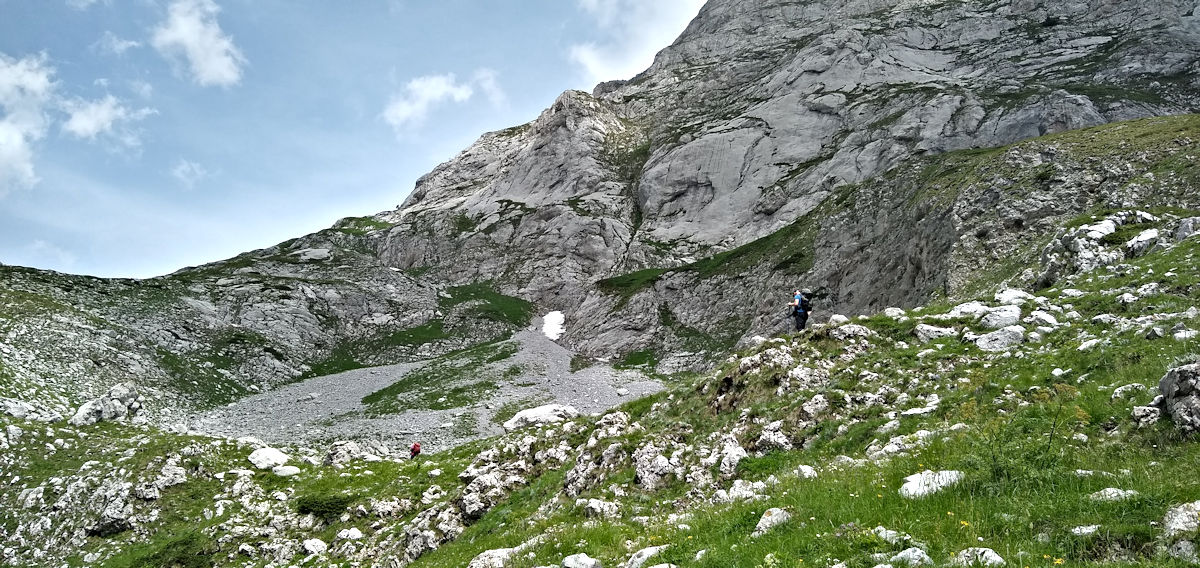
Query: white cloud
(26, 88)
(191, 31)
(111, 44)
(486, 79)
(141, 88)
(633, 31)
(188, 173)
(106, 116)
(420, 95)
(42, 253)
(412, 105)
(83, 4)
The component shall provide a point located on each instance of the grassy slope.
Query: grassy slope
(1021, 496)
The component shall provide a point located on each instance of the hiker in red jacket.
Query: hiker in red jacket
(414, 450)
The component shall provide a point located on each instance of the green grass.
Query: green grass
(494, 306)
(644, 359)
(327, 507)
(360, 226)
(432, 331)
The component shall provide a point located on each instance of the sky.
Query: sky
(138, 137)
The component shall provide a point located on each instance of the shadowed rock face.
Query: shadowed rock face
(759, 112)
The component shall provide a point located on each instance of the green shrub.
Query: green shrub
(327, 507)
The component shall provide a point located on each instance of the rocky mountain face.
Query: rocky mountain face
(757, 116)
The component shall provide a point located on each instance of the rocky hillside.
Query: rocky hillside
(203, 337)
(1036, 429)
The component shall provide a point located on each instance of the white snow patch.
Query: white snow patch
(552, 325)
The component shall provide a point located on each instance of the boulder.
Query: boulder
(1127, 391)
(926, 333)
(850, 330)
(1183, 520)
(969, 309)
(22, 410)
(928, 482)
(315, 546)
(351, 533)
(838, 319)
(1144, 416)
(267, 458)
(581, 561)
(285, 470)
(741, 490)
(495, 558)
(1142, 243)
(1002, 339)
(342, 452)
(1184, 551)
(651, 467)
(1002, 316)
(595, 508)
(640, 557)
(1043, 318)
(912, 557)
(773, 438)
(977, 557)
(772, 518)
(120, 401)
(1012, 297)
(1187, 228)
(545, 414)
(1180, 389)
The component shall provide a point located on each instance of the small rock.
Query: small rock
(913, 557)
(926, 333)
(640, 557)
(1001, 340)
(1086, 530)
(1180, 389)
(1182, 520)
(928, 482)
(315, 546)
(977, 557)
(1012, 297)
(546, 414)
(1127, 391)
(351, 533)
(285, 470)
(1144, 416)
(1111, 494)
(1001, 317)
(772, 518)
(267, 458)
(581, 561)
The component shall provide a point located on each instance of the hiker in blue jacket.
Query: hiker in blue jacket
(801, 306)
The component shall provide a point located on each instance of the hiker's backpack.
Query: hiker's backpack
(805, 304)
